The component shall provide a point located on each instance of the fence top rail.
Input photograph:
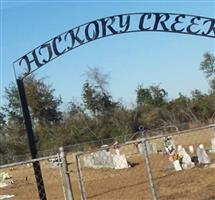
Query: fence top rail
(28, 161)
(181, 132)
(145, 139)
(108, 147)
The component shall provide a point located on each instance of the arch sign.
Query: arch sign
(113, 25)
(99, 28)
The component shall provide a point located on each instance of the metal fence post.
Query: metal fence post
(80, 177)
(148, 168)
(31, 139)
(65, 174)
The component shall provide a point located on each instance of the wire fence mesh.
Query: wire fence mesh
(165, 165)
(22, 184)
(122, 172)
(184, 168)
(114, 173)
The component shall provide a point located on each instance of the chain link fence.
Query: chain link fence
(20, 179)
(184, 168)
(113, 172)
(147, 168)
(179, 166)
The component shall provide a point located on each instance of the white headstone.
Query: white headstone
(105, 159)
(177, 165)
(213, 144)
(140, 148)
(99, 159)
(186, 159)
(179, 147)
(191, 149)
(202, 155)
(120, 162)
(151, 148)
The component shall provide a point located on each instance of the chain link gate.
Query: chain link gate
(123, 176)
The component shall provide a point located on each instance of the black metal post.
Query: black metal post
(31, 139)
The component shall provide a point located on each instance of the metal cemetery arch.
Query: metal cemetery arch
(99, 28)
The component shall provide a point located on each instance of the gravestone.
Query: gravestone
(202, 155)
(191, 149)
(99, 159)
(120, 162)
(177, 165)
(151, 148)
(106, 159)
(186, 159)
(213, 145)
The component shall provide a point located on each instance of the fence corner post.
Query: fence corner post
(65, 175)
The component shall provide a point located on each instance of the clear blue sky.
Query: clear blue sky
(171, 60)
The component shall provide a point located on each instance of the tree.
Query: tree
(43, 107)
(154, 95)
(158, 95)
(143, 95)
(2, 122)
(91, 98)
(203, 105)
(181, 110)
(212, 85)
(208, 65)
(95, 96)
(99, 104)
(2, 133)
(97, 79)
